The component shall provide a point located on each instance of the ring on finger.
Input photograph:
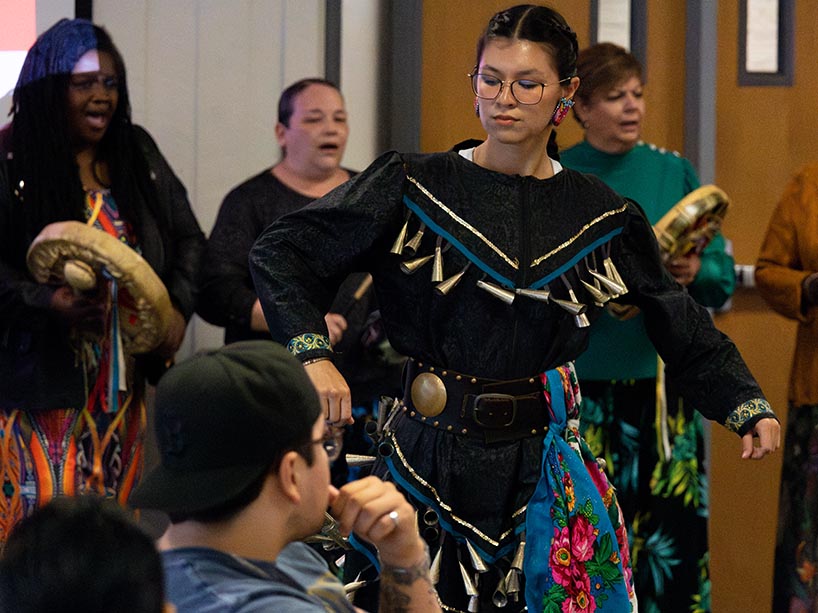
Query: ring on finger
(394, 517)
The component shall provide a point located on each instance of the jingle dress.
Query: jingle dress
(72, 414)
(501, 461)
(659, 473)
(788, 255)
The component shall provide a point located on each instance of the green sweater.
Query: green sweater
(656, 179)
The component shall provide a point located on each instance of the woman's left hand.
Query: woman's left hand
(768, 434)
(685, 268)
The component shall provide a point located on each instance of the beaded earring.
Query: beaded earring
(477, 106)
(560, 112)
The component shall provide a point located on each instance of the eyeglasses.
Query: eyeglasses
(332, 441)
(86, 82)
(525, 91)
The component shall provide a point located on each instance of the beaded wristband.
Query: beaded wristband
(746, 411)
(308, 342)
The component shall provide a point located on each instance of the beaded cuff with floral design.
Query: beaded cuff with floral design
(310, 345)
(747, 411)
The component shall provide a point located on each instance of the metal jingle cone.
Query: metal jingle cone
(414, 242)
(411, 266)
(434, 569)
(513, 584)
(543, 295)
(500, 598)
(430, 517)
(397, 246)
(375, 428)
(615, 289)
(354, 460)
(600, 297)
(496, 291)
(476, 561)
(446, 286)
(612, 272)
(437, 265)
(468, 584)
(354, 586)
(580, 319)
(519, 556)
(575, 308)
(474, 604)
(371, 429)
(330, 531)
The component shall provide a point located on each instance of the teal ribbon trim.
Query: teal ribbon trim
(539, 284)
(457, 244)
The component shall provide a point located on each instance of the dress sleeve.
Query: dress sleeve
(701, 360)
(226, 293)
(298, 262)
(779, 269)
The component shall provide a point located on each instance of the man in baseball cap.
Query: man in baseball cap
(244, 476)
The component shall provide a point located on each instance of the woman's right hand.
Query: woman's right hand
(333, 392)
(78, 310)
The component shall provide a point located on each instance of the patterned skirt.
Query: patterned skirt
(661, 484)
(67, 452)
(795, 588)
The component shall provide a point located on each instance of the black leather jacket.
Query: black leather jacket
(38, 369)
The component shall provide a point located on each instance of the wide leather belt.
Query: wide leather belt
(487, 409)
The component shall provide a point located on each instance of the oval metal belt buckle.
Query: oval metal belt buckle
(428, 394)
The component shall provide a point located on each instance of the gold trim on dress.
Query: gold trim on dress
(513, 263)
(582, 230)
(399, 452)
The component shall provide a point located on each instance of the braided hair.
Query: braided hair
(538, 24)
(43, 169)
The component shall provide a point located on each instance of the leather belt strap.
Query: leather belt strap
(488, 409)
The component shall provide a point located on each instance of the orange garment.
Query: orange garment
(788, 255)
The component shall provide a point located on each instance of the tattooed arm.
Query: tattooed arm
(377, 512)
(405, 589)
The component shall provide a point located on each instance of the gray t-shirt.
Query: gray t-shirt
(200, 580)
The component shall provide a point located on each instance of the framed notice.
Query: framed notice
(623, 22)
(766, 37)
